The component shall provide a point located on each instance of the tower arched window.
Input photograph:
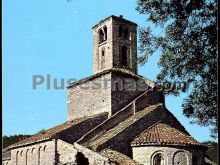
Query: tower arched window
(124, 56)
(126, 34)
(120, 31)
(102, 34)
(102, 58)
(105, 33)
(158, 159)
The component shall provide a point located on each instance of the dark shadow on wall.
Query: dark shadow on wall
(81, 159)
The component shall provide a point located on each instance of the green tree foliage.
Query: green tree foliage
(9, 140)
(188, 52)
(212, 150)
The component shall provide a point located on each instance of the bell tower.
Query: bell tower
(115, 45)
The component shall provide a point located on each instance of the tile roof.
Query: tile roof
(94, 143)
(50, 133)
(118, 157)
(163, 134)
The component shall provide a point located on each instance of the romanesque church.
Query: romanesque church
(115, 116)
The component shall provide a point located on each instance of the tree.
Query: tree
(188, 52)
(212, 150)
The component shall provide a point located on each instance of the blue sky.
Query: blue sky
(55, 37)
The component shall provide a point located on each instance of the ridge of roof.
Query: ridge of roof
(163, 134)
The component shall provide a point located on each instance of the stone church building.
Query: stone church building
(115, 116)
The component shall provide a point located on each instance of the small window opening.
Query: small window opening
(105, 33)
(101, 36)
(126, 34)
(120, 31)
(124, 56)
(103, 59)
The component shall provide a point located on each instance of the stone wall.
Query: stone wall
(90, 98)
(130, 43)
(109, 92)
(126, 88)
(123, 91)
(170, 154)
(41, 153)
(66, 152)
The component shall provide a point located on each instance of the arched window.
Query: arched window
(21, 154)
(102, 58)
(45, 148)
(158, 159)
(126, 34)
(39, 155)
(105, 33)
(26, 157)
(33, 151)
(124, 56)
(101, 36)
(17, 157)
(120, 32)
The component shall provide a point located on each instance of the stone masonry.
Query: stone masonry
(115, 116)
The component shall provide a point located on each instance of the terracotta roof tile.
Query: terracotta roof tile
(95, 143)
(47, 134)
(162, 134)
(118, 157)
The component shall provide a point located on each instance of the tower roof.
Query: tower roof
(120, 18)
